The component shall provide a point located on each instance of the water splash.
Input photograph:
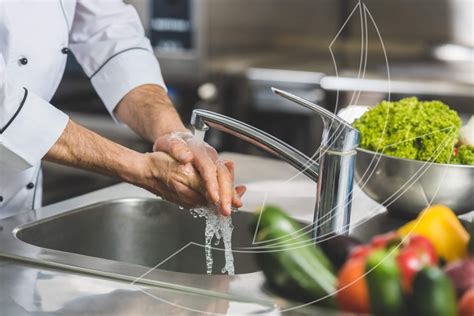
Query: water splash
(218, 227)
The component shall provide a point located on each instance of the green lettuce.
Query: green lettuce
(465, 155)
(413, 129)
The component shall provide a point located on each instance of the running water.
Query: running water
(220, 227)
(217, 226)
(199, 135)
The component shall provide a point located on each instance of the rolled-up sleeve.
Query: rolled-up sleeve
(108, 40)
(29, 125)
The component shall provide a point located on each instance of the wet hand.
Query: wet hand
(163, 175)
(217, 175)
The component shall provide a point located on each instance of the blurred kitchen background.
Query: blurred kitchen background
(224, 55)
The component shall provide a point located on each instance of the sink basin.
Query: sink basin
(124, 233)
(140, 231)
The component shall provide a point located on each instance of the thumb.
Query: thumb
(175, 147)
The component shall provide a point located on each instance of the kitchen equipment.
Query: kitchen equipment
(336, 156)
(191, 36)
(407, 186)
(426, 21)
(30, 269)
(139, 231)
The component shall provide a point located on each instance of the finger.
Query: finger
(208, 171)
(190, 177)
(236, 201)
(241, 189)
(230, 166)
(180, 151)
(188, 197)
(237, 196)
(176, 147)
(225, 188)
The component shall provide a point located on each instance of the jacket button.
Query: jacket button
(1, 198)
(23, 61)
(30, 186)
(65, 50)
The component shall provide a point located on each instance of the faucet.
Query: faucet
(336, 155)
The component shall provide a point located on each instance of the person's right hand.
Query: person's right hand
(164, 176)
(217, 175)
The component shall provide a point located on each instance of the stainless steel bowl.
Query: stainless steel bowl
(407, 186)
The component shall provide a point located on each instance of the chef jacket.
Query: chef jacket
(108, 41)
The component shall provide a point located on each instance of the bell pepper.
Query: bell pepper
(440, 225)
(352, 294)
(382, 241)
(383, 283)
(377, 242)
(414, 256)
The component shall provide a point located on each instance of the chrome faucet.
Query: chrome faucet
(336, 155)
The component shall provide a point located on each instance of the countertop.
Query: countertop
(28, 289)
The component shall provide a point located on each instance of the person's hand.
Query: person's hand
(218, 175)
(163, 175)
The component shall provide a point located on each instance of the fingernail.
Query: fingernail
(188, 169)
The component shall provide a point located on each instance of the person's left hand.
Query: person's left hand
(218, 175)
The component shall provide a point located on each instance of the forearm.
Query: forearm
(82, 148)
(157, 172)
(149, 112)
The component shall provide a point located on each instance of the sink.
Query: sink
(142, 231)
(156, 234)
(126, 234)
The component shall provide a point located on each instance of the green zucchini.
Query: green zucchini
(433, 293)
(383, 281)
(292, 264)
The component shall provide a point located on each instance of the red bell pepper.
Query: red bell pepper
(416, 254)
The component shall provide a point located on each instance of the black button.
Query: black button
(65, 50)
(1, 198)
(30, 186)
(23, 61)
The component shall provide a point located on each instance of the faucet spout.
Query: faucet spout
(202, 120)
(334, 173)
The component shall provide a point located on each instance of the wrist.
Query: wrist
(149, 111)
(179, 131)
(133, 167)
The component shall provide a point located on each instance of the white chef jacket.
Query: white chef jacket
(107, 39)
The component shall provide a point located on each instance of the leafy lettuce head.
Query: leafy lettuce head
(409, 128)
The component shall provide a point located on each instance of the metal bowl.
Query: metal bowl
(405, 186)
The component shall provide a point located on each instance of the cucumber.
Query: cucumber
(292, 264)
(433, 293)
(383, 281)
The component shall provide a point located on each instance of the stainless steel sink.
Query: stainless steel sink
(142, 231)
(124, 233)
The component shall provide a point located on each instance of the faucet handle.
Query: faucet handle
(325, 114)
(341, 135)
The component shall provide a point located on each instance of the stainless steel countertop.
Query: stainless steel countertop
(28, 289)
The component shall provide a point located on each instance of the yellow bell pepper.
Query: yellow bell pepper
(440, 224)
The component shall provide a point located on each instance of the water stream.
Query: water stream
(218, 227)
